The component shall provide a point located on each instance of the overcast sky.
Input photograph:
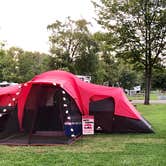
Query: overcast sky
(23, 22)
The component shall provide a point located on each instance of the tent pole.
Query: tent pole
(32, 126)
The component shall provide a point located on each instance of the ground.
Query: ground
(101, 149)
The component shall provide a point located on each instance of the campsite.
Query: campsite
(124, 146)
(101, 149)
(83, 82)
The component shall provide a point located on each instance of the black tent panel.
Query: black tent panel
(9, 123)
(103, 111)
(107, 122)
(129, 125)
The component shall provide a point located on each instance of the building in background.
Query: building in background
(84, 78)
(5, 83)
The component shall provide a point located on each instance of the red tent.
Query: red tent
(55, 98)
(9, 95)
(81, 92)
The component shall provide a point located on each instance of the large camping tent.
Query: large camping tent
(55, 101)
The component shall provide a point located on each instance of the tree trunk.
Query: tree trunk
(148, 73)
(148, 65)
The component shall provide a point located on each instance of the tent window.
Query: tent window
(102, 105)
(103, 111)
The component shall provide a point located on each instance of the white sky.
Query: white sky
(23, 22)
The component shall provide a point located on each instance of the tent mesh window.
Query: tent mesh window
(8, 121)
(103, 111)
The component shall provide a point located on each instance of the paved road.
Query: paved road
(151, 101)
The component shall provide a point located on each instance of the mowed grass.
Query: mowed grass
(99, 150)
(153, 96)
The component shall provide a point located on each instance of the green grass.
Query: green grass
(99, 150)
(153, 96)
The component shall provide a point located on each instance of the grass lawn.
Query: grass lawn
(153, 96)
(101, 149)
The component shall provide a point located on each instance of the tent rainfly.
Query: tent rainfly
(52, 104)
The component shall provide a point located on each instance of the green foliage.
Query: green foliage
(17, 65)
(159, 79)
(107, 59)
(138, 32)
(128, 79)
(87, 62)
(31, 64)
(6, 66)
(116, 71)
(73, 48)
(99, 149)
(65, 41)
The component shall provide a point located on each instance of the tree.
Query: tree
(72, 47)
(12, 69)
(87, 62)
(138, 28)
(107, 59)
(65, 40)
(115, 69)
(159, 79)
(21, 65)
(128, 79)
(7, 66)
(30, 64)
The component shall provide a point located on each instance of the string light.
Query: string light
(19, 86)
(1, 115)
(67, 112)
(69, 118)
(9, 104)
(17, 93)
(65, 105)
(54, 83)
(13, 99)
(4, 110)
(25, 84)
